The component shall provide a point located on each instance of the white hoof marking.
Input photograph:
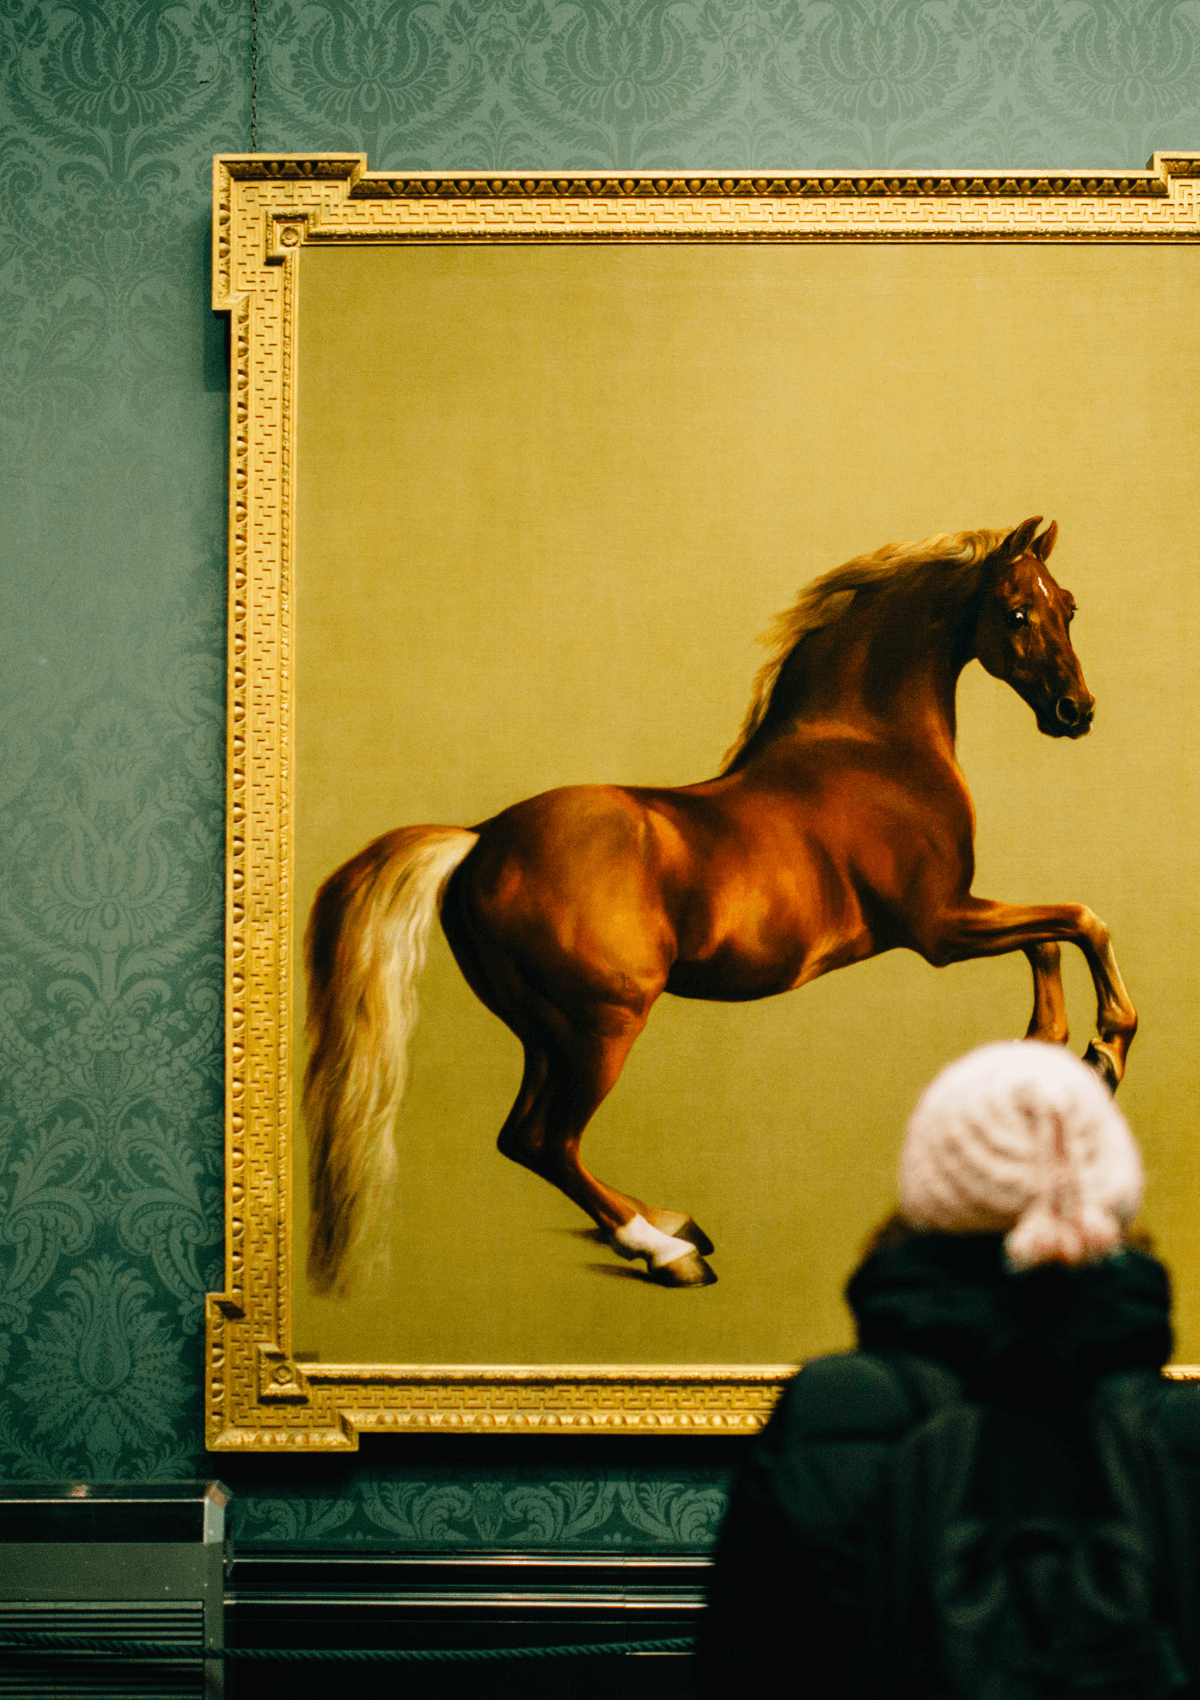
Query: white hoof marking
(639, 1239)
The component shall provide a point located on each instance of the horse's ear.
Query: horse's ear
(1017, 542)
(1041, 546)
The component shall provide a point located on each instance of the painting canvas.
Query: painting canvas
(543, 495)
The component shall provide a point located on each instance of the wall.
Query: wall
(113, 417)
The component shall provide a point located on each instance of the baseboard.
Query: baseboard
(518, 1602)
(412, 1599)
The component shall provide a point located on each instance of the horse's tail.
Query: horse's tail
(363, 950)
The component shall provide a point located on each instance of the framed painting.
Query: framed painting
(520, 466)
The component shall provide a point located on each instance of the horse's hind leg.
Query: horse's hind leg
(562, 1088)
(1049, 1019)
(571, 1063)
(525, 1137)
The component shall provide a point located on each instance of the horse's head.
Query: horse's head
(1023, 637)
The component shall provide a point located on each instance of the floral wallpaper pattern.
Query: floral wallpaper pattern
(113, 403)
(585, 1507)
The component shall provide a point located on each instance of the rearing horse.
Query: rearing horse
(840, 826)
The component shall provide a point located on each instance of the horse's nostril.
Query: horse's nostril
(1067, 710)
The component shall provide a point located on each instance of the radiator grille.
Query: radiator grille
(177, 1625)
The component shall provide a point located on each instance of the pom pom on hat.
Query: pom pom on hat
(1022, 1139)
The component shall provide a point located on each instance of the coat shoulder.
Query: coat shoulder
(1178, 1416)
(851, 1396)
(819, 1461)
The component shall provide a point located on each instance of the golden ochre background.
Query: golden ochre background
(547, 496)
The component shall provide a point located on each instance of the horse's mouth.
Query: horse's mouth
(1053, 727)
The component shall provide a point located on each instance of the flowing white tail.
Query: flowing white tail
(364, 948)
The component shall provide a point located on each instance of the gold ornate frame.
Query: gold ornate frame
(265, 209)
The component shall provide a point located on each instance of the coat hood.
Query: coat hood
(952, 1298)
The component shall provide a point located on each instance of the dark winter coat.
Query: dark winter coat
(790, 1590)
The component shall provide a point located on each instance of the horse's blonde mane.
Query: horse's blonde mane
(828, 598)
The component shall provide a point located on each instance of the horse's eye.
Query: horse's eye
(1015, 619)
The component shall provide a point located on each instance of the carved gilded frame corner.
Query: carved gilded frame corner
(266, 209)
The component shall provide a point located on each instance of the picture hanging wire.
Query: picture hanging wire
(253, 76)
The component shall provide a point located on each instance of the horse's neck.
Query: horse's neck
(893, 665)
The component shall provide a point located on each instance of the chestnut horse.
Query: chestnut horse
(840, 826)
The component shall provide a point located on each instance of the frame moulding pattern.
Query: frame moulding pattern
(265, 210)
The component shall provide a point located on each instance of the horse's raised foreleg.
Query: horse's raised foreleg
(1049, 1019)
(561, 1090)
(980, 928)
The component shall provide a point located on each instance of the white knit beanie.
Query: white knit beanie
(1023, 1139)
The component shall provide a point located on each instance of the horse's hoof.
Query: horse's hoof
(681, 1227)
(690, 1270)
(1098, 1058)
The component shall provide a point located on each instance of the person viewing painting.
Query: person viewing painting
(996, 1496)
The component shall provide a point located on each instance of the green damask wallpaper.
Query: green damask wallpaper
(112, 420)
